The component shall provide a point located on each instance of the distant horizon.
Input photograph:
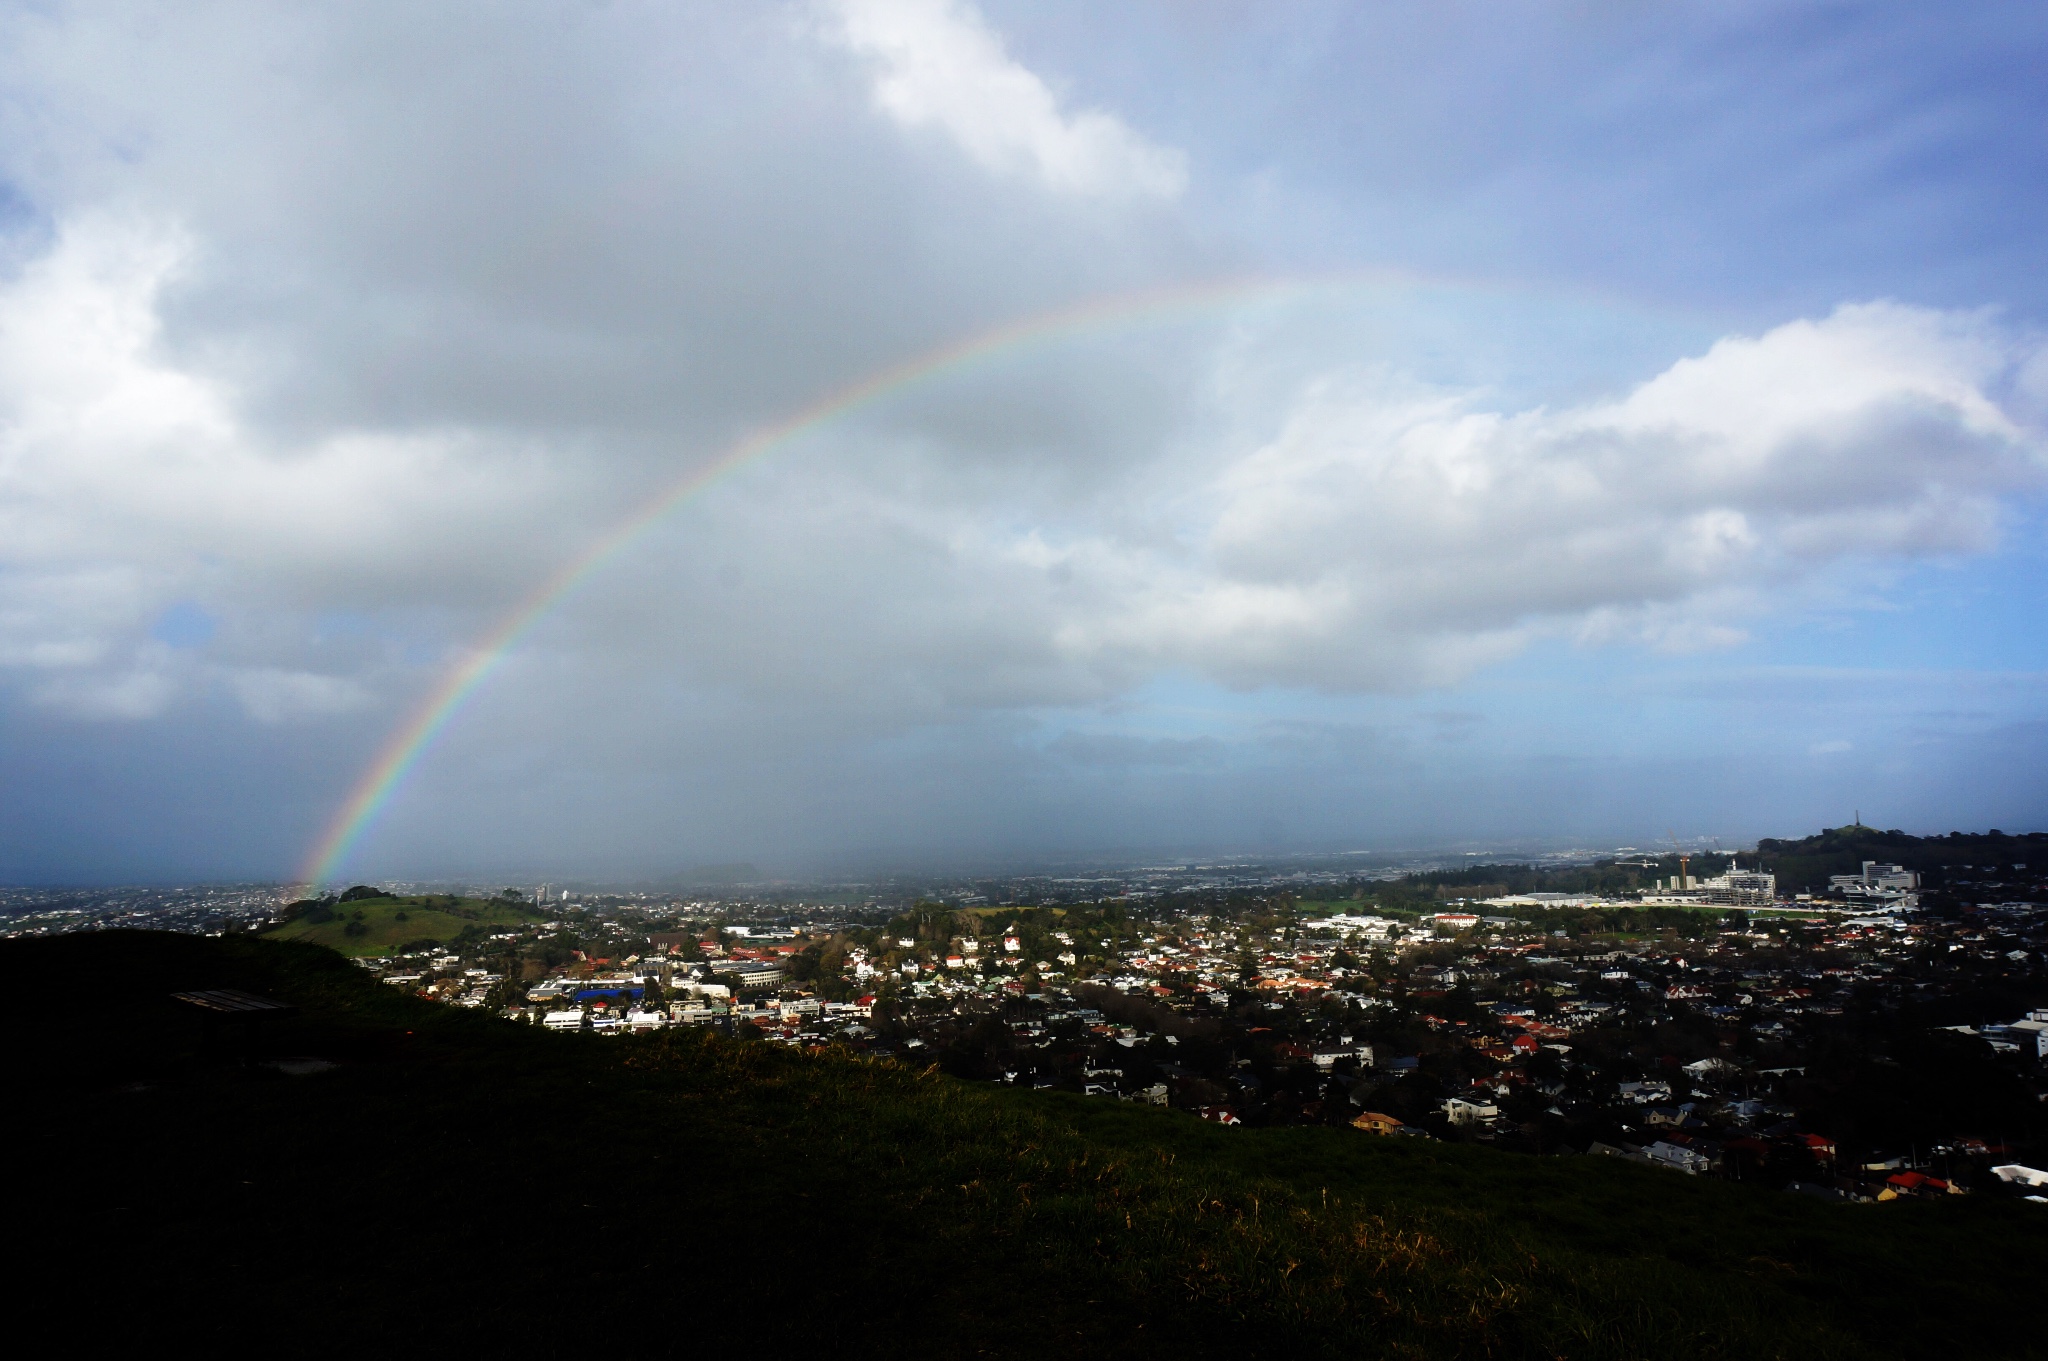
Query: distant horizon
(1107, 864)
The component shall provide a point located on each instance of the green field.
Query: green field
(382, 926)
(459, 1181)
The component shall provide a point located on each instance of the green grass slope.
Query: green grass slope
(456, 1180)
(382, 926)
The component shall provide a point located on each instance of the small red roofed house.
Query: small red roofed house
(1819, 1145)
(1914, 1184)
(1375, 1122)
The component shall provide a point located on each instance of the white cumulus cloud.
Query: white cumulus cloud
(1386, 537)
(937, 64)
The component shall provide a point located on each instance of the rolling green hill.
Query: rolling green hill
(384, 926)
(457, 1180)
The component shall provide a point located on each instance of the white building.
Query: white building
(1737, 887)
(1879, 885)
(1677, 1156)
(1878, 877)
(1463, 1112)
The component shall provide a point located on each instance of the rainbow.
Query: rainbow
(404, 748)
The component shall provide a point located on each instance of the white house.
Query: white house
(1463, 1112)
(1678, 1156)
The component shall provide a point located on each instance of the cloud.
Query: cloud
(328, 334)
(119, 696)
(1381, 536)
(1393, 538)
(937, 64)
(275, 696)
(138, 504)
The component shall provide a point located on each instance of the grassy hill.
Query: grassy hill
(384, 926)
(458, 1180)
(1806, 863)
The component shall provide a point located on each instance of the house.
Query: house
(2020, 1176)
(2032, 1033)
(1915, 1184)
(1678, 1157)
(1463, 1112)
(1222, 1115)
(563, 1020)
(1374, 1122)
(1819, 1145)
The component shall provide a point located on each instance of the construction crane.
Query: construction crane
(1684, 861)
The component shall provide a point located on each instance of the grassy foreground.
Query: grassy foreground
(459, 1180)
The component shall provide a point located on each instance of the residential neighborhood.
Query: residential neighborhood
(1874, 1035)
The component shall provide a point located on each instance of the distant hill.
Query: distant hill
(384, 926)
(458, 1181)
(1804, 864)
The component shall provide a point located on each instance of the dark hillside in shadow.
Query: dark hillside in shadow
(455, 1180)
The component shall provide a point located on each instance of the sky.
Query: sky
(902, 433)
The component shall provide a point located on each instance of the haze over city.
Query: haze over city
(601, 441)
